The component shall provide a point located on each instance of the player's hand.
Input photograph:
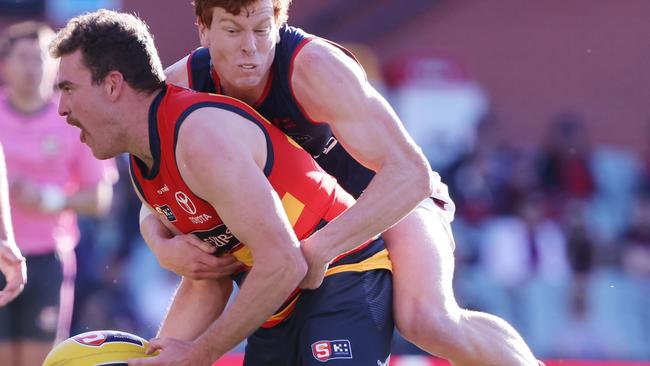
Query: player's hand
(317, 267)
(171, 352)
(191, 257)
(12, 265)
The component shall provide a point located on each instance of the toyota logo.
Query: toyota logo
(186, 204)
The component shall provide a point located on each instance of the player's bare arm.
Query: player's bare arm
(184, 254)
(233, 182)
(332, 87)
(196, 304)
(177, 73)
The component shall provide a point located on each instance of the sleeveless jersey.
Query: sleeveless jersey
(279, 105)
(309, 196)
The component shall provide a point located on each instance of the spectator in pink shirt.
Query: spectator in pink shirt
(52, 178)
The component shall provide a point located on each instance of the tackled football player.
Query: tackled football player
(211, 166)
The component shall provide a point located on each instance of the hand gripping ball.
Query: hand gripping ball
(97, 348)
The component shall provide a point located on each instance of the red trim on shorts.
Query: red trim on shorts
(360, 247)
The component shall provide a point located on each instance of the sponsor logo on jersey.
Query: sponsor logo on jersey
(324, 351)
(201, 219)
(163, 189)
(284, 123)
(167, 211)
(328, 146)
(185, 202)
(221, 237)
(300, 139)
(97, 339)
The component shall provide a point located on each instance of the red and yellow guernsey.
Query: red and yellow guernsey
(310, 197)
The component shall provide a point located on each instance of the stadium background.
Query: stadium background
(535, 113)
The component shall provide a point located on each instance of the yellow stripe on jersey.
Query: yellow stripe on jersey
(294, 143)
(379, 260)
(244, 255)
(293, 207)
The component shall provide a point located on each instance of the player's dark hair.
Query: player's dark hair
(24, 30)
(203, 9)
(112, 41)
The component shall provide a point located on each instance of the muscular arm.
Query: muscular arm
(233, 182)
(332, 87)
(197, 303)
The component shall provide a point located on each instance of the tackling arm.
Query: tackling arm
(332, 87)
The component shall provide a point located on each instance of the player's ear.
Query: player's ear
(113, 84)
(203, 33)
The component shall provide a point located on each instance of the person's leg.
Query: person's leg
(350, 321)
(426, 312)
(39, 319)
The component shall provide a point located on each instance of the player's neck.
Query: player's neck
(136, 113)
(28, 101)
(250, 96)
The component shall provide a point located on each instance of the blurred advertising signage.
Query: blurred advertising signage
(60, 11)
(426, 68)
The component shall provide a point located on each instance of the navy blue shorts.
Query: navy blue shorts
(348, 320)
(34, 314)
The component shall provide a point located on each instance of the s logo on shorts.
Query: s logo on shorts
(324, 351)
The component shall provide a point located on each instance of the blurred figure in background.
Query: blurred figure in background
(12, 263)
(565, 161)
(52, 178)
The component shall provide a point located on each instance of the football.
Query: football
(101, 347)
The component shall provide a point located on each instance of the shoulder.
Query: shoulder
(177, 73)
(321, 58)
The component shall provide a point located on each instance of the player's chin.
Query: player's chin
(101, 154)
(248, 82)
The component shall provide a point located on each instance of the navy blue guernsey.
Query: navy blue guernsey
(281, 108)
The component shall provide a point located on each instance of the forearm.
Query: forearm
(249, 311)
(152, 229)
(196, 304)
(392, 194)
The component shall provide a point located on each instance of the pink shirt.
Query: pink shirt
(43, 149)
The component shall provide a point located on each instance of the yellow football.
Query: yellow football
(100, 347)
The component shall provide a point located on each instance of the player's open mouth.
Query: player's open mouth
(247, 66)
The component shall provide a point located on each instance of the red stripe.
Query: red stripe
(190, 82)
(267, 88)
(293, 94)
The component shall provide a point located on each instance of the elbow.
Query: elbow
(294, 267)
(299, 266)
(422, 179)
